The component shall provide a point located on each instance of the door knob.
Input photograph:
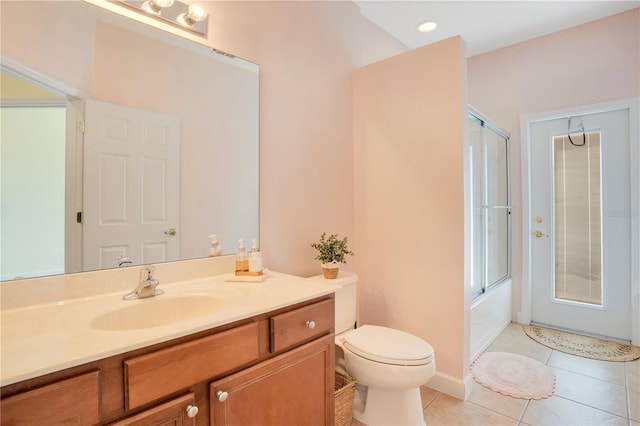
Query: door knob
(222, 396)
(192, 411)
(539, 234)
(171, 231)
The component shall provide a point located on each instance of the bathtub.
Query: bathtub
(490, 315)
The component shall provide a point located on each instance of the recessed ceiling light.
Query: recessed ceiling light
(427, 27)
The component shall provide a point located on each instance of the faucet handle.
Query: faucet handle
(146, 272)
(123, 260)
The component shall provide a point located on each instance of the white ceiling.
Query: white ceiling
(485, 25)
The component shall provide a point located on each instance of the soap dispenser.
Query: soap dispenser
(242, 260)
(255, 259)
(215, 249)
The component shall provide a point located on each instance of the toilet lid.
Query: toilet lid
(389, 346)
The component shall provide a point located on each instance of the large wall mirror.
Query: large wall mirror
(166, 152)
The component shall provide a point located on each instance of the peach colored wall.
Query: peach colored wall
(69, 56)
(595, 62)
(306, 51)
(410, 123)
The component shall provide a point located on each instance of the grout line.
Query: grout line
(590, 377)
(549, 357)
(492, 410)
(628, 394)
(524, 410)
(432, 401)
(591, 406)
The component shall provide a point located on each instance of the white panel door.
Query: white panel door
(581, 239)
(131, 186)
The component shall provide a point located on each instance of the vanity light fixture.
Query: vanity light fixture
(191, 17)
(427, 26)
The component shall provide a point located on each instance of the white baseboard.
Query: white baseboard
(452, 386)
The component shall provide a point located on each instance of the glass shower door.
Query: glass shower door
(490, 225)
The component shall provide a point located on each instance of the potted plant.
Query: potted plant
(331, 253)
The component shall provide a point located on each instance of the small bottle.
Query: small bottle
(255, 259)
(242, 260)
(215, 249)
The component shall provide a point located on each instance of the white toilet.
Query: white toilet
(389, 365)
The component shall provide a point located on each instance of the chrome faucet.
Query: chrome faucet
(147, 285)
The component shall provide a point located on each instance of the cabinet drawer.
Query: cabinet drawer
(301, 324)
(71, 401)
(155, 375)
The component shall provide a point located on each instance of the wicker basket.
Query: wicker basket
(345, 392)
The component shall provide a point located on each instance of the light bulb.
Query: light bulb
(196, 14)
(155, 6)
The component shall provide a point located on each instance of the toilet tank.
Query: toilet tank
(346, 297)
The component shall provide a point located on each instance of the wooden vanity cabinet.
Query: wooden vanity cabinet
(276, 368)
(295, 388)
(73, 401)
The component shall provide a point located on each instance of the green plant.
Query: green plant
(331, 250)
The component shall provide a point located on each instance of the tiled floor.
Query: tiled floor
(588, 392)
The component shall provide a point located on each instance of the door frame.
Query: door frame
(526, 121)
(75, 100)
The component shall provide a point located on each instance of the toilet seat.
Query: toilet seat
(388, 346)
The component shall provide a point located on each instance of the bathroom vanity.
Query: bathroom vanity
(261, 354)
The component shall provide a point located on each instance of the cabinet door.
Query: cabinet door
(181, 411)
(74, 401)
(295, 388)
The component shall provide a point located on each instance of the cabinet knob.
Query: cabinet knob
(222, 396)
(192, 411)
(311, 324)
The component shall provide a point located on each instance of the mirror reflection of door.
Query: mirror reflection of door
(42, 186)
(581, 221)
(131, 173)
(32, 176)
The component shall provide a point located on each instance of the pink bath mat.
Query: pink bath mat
(514, 375)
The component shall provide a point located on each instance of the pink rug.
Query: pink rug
(514, 375)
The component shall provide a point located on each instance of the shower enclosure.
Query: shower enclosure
(490, 204)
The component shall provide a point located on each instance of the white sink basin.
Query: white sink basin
(157, 311)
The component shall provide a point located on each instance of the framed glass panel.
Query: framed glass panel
(490, 201)
(497, 244)
(578, 219)
(497, 188)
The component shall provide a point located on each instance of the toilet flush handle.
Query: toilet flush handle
(311, 324)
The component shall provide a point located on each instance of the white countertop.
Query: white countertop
(41, 339)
